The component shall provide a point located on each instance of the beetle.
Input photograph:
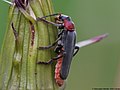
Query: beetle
(65, 48)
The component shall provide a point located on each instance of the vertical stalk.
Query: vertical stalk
(19, 55)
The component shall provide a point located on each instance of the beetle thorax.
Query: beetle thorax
(69, 25)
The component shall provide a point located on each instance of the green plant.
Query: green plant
(19, 55)
(18, 68)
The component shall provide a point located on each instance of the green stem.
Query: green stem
(18, 68)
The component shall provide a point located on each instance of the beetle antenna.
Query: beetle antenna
(55, 14)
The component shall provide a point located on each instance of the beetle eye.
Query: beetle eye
(68, 18)
(60, 17)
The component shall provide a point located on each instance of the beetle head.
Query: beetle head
(60, 18)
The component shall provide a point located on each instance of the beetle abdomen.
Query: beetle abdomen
(69, 45)
(58, 79)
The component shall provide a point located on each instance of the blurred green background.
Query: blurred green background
(96, 65)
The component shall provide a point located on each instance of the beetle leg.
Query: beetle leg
(50, 61)
(50, 46)
(59, 48)
(55, 14)
(47, 47)
(49, 22)
(76, 50)
(53, 59)
(60, 33)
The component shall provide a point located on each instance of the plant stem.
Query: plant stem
(19, 56)
(18, 68)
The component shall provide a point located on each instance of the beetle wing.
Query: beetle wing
(69, 39)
